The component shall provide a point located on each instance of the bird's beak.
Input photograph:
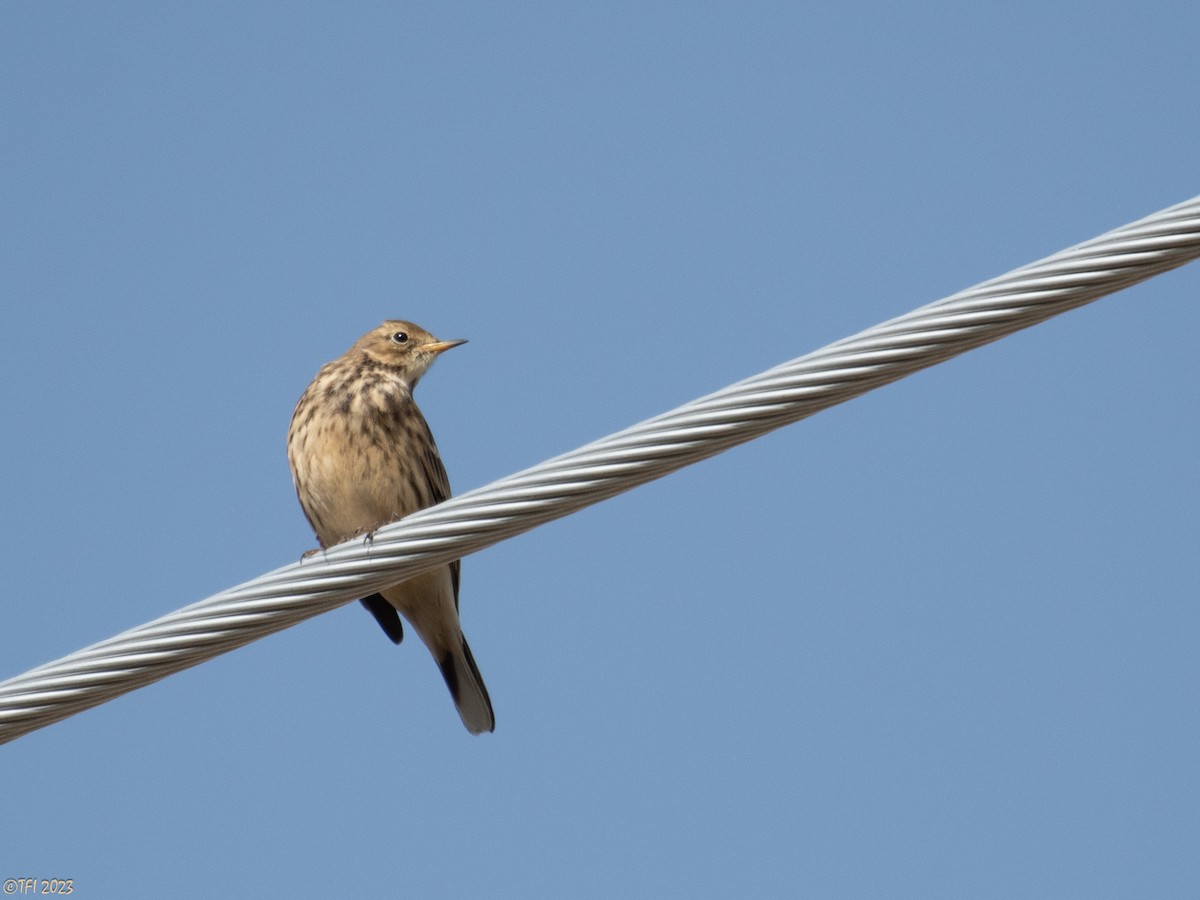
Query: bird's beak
(440, 346)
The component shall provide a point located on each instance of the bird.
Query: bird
(361, 456)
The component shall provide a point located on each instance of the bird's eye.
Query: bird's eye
(400, 337)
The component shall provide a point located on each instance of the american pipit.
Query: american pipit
(362, 455)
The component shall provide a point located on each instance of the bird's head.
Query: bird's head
(405, 347)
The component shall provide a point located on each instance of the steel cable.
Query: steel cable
(602, 469)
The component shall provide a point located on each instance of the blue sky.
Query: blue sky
(938, 642)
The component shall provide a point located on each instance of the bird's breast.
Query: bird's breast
(355, 462)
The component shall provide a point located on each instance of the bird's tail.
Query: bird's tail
(467, 688)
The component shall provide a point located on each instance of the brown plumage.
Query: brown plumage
(362, 455)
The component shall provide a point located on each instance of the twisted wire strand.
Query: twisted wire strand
(602, 469)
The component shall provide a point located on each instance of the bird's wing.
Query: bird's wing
(434, 474)
(385, 614)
